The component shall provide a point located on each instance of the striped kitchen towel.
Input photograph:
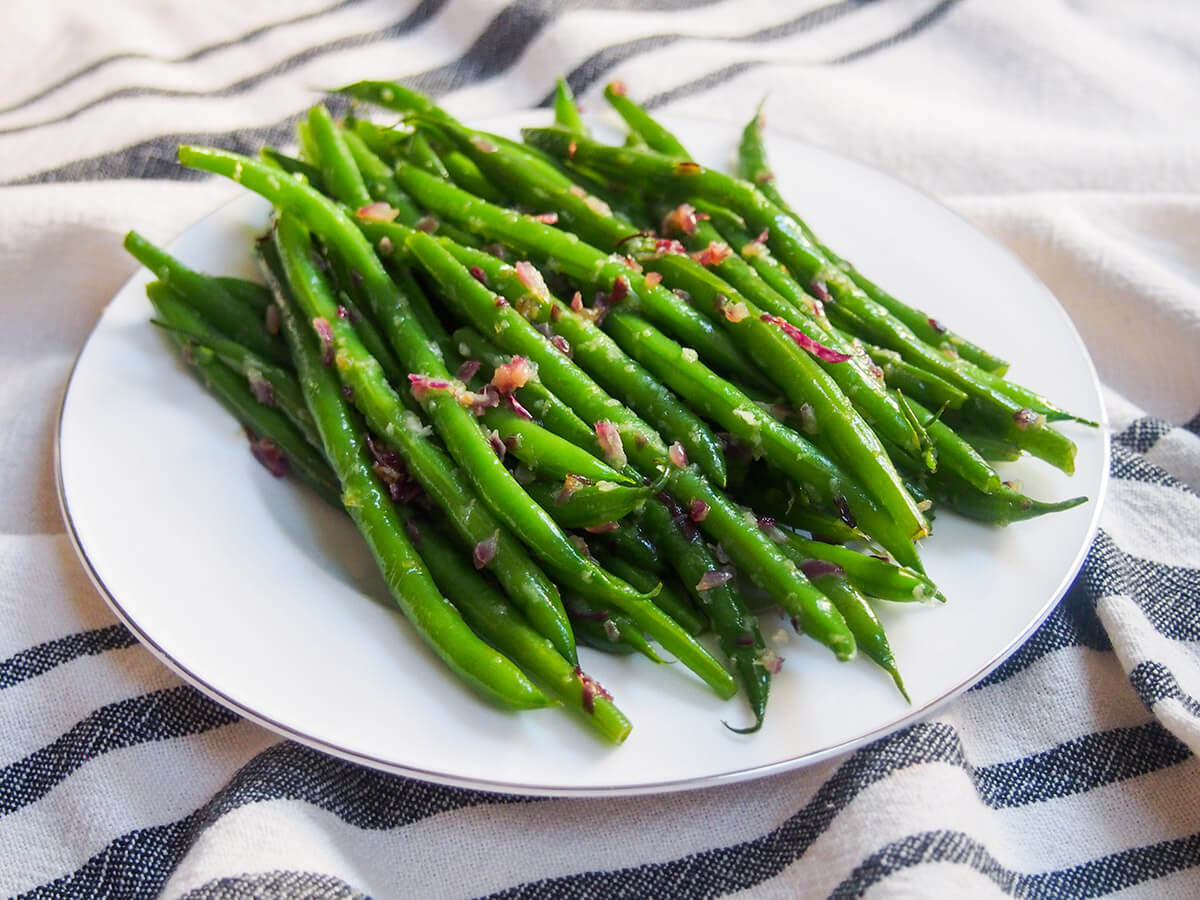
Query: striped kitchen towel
(1065, 130)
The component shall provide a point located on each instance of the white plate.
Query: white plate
(258, 594)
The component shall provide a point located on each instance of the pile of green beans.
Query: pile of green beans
(564, 393)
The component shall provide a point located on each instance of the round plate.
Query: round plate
(261, 596)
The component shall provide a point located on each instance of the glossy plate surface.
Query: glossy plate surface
(260, 595)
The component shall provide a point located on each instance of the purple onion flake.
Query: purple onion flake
(818, 568)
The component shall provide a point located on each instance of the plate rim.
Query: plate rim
(500, 786)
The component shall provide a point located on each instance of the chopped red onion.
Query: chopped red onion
(770, 660)
(385, 246)
(515, 405)
(617, 87)
(512, 375)
(546, 218)
(261, 388)
(577, 302)
(664, 246)
(818, 289)
(427, 224)
(348, 392)
(499, 301)
(820, 351)
(808, 418)
(602, 528)
(561, 344)
(479, 275)
(413, 532)
(571, 484)
(482, 144)
(532, 279)
(763, 236)
(485, 551)
(844, 511)
(682, 220)
(497, 443)
(1026, 418)
(653, 278)
(591, 690)
(677, 454)
(377, 212)
(272, 319)
(818, 568)
(744, 640)
(698, 510)
(270, 456)
(571, 148)
(610, 443)
(712, 255)
(486, 398)
(325, 332)
(423, 384)
(936, 326)
(713, 578)
(467, 370)
(620, 290)
(734, 312)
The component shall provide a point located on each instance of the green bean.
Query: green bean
(1000, 507)
(456, 426)
(806, 262)
(787, 450)
(403, 430)
(668, 599)
(870, 574)
(489, 614)
(838, 427)
(579, 503)
(270, 384)
(431, 615)
(466, 291)
(250, 293)
(753, 166)
(534, 396)
(419, 152)
(641, 123)
(621, 375)
(630, 542)
(931, 390)
(294, 166)
(868, 630)
(566, 113)
(545, 452)
(217, 306)
(576, 259)
(230, 387)
(991, 448)
(736, 628)
(608, 630)
(754, 552)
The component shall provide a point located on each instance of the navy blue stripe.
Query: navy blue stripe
(1169, 596)
(44, 657)
(904, 34)
(1080, 765)
(1193, 424)
(1104, 875)
(194, 55)
(1127, 465)
(1143, 433)
(723, 870)
(169, 713)
(732, 70)
(419, 16)
(1154, 683)
(138, 863)
(602, 61)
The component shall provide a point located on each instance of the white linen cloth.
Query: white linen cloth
(1066, 130)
